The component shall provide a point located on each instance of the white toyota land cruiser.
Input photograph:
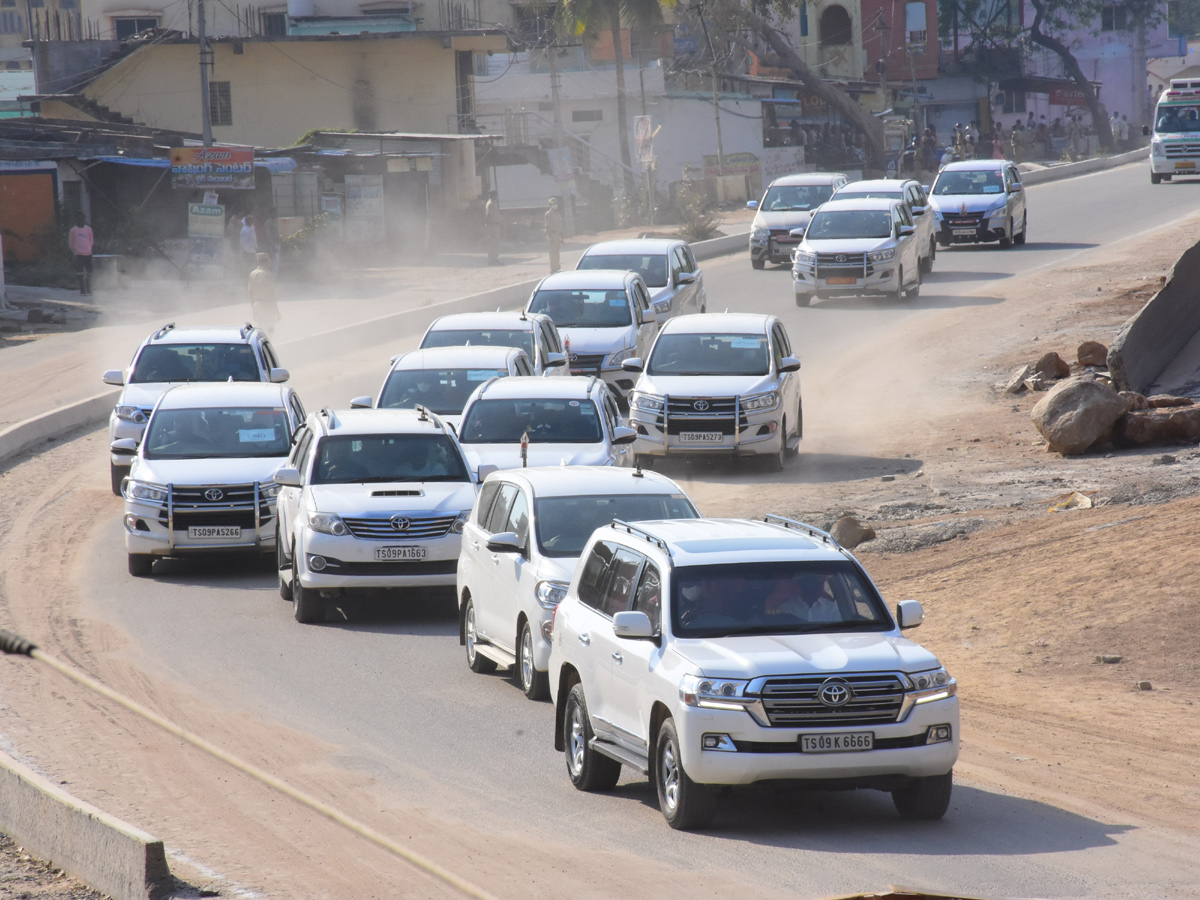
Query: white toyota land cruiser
(708, 652)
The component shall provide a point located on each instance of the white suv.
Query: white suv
(668, 267)
(173, 355)
(720, 383)
(535, 334)
(200, 481)
(520, 548)
(370, 499)
(726, 652)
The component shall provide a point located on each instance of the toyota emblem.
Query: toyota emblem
(574, 357)
(835, 693)
(401, 523)
(700, 405)
(841, 257)
(214, 494)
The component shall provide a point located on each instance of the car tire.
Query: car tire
(307, 604)
(587, 769)
(757, 263)
(282, 564)
(774, 462)
(685, 805)
(117, 474)
(925, 798)
(803, 300)
(914, 290)
(1155, 178)
(1019, 239)
(799, 424)
(1007, 240)
(140, 565)
(478, 663)
(535, 684)
(898, 294)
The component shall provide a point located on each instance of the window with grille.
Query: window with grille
(274, 24)
(11, 23)
(127, 26)
(1114, 18)
(220, 106)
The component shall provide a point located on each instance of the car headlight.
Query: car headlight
(769, 400)
(460, 522)
(714, 693)
(269, 489)
(804, 258)
(131, 414)
(138, 490)
(620, 356)
(650, 402)
(1157, 149)
(551, 593)
(327, 523)
(758, 233)
(935, 684)
(878, 256)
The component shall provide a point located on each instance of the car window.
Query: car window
(776, 347)
(486, 498)
(550, 420)
(269, 354)
(195, 362)
(905, 215)
(649, 596)
(677, 264)
(498, 517)
(782, 338)
(303, 437)
(595, 571)
(482, 337)
(639, 292)
(691, 259)
(622, 578)
(523, 367)
(444, 391)
(611, 414)
(218, 433)
(652, 267)
(305, 454)
(518, 519)
(383, 458)
(564, 524)
(543, 343)
(709, 354)
(299, 407)
(583, 308)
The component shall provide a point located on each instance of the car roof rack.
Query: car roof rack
(331, 417)
(245, 330)
(824, 536)
(487, 384)
(162, 332)
(642, 533)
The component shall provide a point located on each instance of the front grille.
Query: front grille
(390, 569)
(381, 529)
(725, 426)
(964, 221)
(781, 236)
(1173, 150)
(242, 519)
(588, 363)
(710, 407)
(792, 702)
(843, 265)
(230, 504)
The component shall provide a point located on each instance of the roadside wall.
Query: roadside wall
(1158, 332)
(104, 852)
(1099, 164)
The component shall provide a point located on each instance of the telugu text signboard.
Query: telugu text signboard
(206, 234)
(202, 167)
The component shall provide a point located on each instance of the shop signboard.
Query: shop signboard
(204, 167)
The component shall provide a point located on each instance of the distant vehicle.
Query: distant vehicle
(568, 421)
(1175, 141)
(442, 378)
(666, 265)
(535, 334)
(787, 204)
(370, 499)
(520, 547)
(855, 247)
(176, 355)
(201, 479)
(712, 652)
(604, 318)
(912, 194)
(978, 201)
(723, 384)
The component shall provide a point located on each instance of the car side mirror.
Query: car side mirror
(555, 360)
(647, 316)
(798, 232)
(909, 614)
(623, 435)
(115, 377)
(392, 359)
(905, 231)
(287, 476)
(685, 278)
(633, 624)
(789, 364)
(279, 376)
(1145, 131)
(361, 403)
(123, 447)
(633, 364)
(486, 470)
(918, 210)
(751, 204)
(504, 542)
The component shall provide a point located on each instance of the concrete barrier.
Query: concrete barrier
(90, 845)
(1084, 167)
(1159, 331)
(31, 432)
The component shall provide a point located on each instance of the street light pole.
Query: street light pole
(560, 138)
(205, 62)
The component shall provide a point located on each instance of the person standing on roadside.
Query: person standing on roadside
(554, 234)
(491, 225)
(248, 242)
(80, 240)
(261, 292)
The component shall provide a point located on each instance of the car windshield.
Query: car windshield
(222, 433)
(709, 354)
(583, 309)
(564, 524)
(445, 391)
(989, 181)
(795, 197)
(848, 224)
(788, 597)
(360, 458)
(482, 337)
(195, 362)
(547, 420)
(652, 267)
(1177, 119)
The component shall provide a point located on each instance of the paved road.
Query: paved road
(393, 690)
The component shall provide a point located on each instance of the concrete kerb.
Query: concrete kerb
(27, 434)
(1068, 170)
(96, 848)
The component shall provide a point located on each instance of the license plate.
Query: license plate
(1185, 165)
(387, 554)
(846, 742)
(964, 232)
(701, 437)
(214, 531)
(841, 280)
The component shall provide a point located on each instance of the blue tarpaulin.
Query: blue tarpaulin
(274, 164)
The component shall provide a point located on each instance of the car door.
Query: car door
(633, 661)
(1016, 197)
(489, 615)
(514, 576)
(576, 625)
(287, 504)
(473, 565)
(909, 253)
(640, 305)
(619, 590)
(611, 414)
(923, 221)
(696, 300)
(789, 382)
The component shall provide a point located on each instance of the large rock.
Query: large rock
(1162, 401)
(1016, 381)
(1053, 366)
(1078, 413)
(1136, 400)
(850, 532)
(1167, 425)
(1092, 353)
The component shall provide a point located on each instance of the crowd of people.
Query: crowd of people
(826, 145)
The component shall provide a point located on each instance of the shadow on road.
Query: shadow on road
(807, 468)
(885, 304)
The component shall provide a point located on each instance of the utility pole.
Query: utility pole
(715, 95)
(205, 62)
(560, 139)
